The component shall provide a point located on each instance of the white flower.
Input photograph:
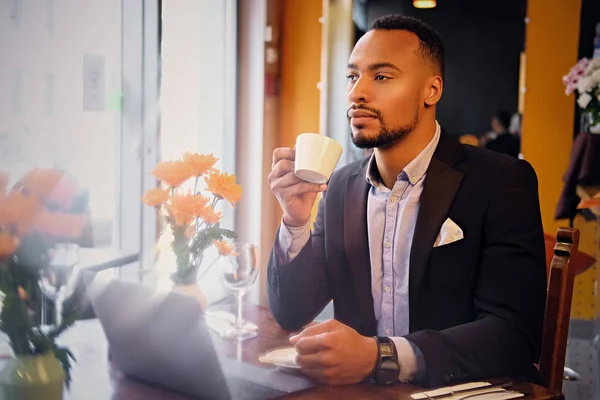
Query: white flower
(584, 84)
(595, 77)
(592, 66)
(584, 99)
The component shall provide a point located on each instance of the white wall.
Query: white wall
(337, 44)
(251, 155)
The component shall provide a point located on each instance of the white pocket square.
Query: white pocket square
(449, 233)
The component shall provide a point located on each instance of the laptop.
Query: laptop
(161, 339)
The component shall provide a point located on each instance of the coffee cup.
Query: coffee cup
(316, 157)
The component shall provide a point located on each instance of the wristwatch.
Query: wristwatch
(387, 369)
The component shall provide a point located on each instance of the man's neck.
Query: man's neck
(391, 161)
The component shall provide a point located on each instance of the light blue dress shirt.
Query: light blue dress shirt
(391, 219)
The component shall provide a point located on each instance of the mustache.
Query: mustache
(363, 107)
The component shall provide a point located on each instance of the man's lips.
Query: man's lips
(361, 114)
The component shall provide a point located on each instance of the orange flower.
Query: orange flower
(3, 184)
(18, 210)
(224, 248)
(59, 224)
(200, 164)
(41, 181)
(8, 244)
(63, 193)
(172, 173)
(156, 197)
(184, 208)
(209, 215)
(223, 185)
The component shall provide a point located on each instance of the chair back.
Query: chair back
(561, 275)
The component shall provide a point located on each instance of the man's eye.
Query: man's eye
(351, 77)
(380, 78)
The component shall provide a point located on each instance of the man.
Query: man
(504, 141)
(433, 247)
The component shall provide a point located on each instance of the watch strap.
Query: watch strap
(386, 351)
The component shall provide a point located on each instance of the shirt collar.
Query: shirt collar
(414, 170)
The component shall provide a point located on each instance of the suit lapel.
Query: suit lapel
(356, 241)
(440, 187)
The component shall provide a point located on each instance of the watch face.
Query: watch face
(386, 350)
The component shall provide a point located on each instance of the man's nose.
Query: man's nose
(359, 92)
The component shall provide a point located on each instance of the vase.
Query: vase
(35, 377)
(194, 291)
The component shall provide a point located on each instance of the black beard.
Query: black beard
(387, 137)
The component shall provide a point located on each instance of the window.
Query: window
(60, 85)
(197, 96)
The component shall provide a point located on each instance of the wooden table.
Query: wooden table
(94, 378)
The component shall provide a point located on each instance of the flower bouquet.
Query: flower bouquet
(584, 80)
(192, 214)
(35, 214)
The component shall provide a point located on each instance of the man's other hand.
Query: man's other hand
(335, 354)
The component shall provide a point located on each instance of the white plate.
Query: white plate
(284, 357)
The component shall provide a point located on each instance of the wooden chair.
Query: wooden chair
(561, 275)
(580, 261)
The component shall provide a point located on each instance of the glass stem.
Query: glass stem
(58, 306)
(43, 310)
(238, 319)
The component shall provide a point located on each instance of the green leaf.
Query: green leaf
(228, 233)
(16, 321)
(64, 357)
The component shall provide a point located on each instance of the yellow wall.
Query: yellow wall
(551, 46)
(300, 69)
(551, 49)
(585, 301)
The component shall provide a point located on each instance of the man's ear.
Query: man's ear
(435, 87)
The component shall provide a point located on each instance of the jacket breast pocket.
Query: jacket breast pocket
(453, 267)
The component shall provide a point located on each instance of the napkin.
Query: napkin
(283, 357)
(479, 388)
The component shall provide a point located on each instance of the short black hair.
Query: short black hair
(504, 118)
(432, 46)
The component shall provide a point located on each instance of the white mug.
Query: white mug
(316, 157)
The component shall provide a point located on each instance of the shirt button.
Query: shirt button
(387, 244)
(393, 199)
(387, 289)
(388, 332)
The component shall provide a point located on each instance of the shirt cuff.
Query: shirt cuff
(410, 359)
(293, 239)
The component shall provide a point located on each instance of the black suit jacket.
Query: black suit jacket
(476, 305)
(506, 143)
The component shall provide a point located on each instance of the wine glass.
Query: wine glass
(58, 280)
(238, 272)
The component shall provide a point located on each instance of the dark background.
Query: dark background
(590, 16)
(483, 41)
